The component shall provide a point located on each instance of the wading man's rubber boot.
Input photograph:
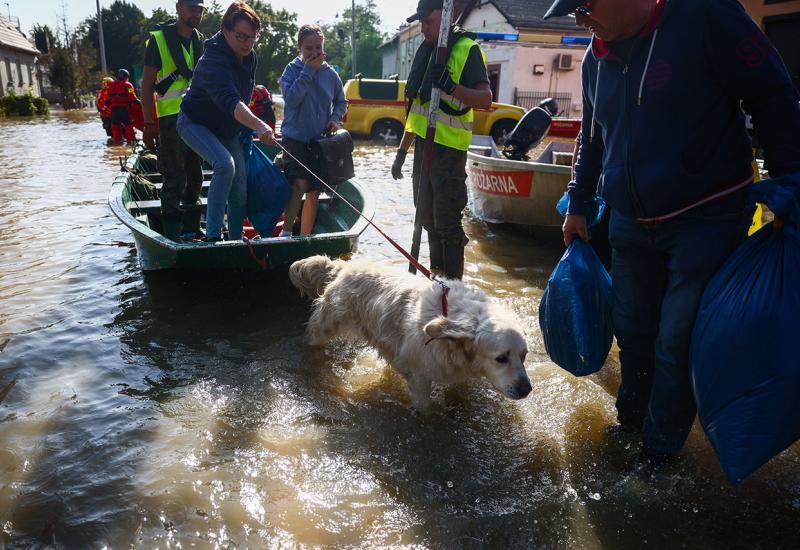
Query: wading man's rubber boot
(453, 260)
(436, 253)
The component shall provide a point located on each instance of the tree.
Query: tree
(149, 24)
(211, 20)
(122, 31)
(63, 72)
(277, 45)
(43, 38)
(369, 59)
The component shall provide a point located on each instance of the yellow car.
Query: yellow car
(377, 109)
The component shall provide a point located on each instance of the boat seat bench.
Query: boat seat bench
(154, 207)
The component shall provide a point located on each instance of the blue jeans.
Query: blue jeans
(229, 182)
(659, 273)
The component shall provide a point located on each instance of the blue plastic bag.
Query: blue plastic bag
(745, 357)
(575, 311)
(267, 190)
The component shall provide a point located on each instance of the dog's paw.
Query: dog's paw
(317, 340)
(420, 390)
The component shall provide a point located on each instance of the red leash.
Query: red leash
(412, 260)
(264, 264)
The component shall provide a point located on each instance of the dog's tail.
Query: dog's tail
(312, 275)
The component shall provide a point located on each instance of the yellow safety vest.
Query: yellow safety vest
(170, 102)
(454, 131)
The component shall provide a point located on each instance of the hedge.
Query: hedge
(23, 105)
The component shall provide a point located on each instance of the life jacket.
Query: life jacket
(137, 115)
(177, 65)
(454, 118)
(120, 94)
(261, 105)
(101, 99)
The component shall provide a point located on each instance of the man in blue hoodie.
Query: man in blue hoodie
(663, 140)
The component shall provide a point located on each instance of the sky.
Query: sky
(393, 12)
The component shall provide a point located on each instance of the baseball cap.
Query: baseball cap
(560, 8)
(424, 8)
(192, 2)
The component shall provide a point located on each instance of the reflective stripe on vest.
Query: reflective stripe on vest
(452, 131)
(442, 117)
(170, 102)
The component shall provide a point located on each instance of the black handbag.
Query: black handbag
(333, 157)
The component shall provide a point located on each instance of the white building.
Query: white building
(399, 50)
(17, 61)
(541, 63)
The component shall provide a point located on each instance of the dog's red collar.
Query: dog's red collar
(445, 292)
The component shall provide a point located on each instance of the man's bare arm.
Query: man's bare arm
(479, 97)
(148, 104)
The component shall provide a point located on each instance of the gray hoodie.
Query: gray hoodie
(311, 100)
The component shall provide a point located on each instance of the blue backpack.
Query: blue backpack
(575, 310)
(745, 356)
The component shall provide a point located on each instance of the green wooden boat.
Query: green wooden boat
(336, 231)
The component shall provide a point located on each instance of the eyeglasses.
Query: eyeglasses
(244, 37)
(585, 9)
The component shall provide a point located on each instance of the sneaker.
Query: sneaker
(211, 239)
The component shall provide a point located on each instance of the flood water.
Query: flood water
(176, 412)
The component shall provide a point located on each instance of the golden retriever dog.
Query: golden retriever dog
(400, 315)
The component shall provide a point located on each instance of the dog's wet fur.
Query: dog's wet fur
(400, 315)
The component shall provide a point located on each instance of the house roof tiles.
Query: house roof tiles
(530, 13)
(11, 38)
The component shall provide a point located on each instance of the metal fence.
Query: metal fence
(529, 100)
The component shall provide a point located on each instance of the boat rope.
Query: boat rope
(422, 269)
(263, 264)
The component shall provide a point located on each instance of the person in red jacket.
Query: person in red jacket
(136, 115)
(120, 96)
(101, 101)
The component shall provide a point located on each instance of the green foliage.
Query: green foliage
(369, 59)
(23, 105)
(44, 38)
(42, 105)
(63, 72)
(122, 33)
(149, 24)
(212, 19)
(277, 45)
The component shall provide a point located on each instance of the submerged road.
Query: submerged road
(170, 411)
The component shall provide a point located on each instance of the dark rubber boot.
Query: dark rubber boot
(191, 221)
(436, 253)
(172, 228)
(453, 260)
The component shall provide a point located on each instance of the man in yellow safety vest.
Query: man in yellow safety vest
(171, 54)
(464, 86)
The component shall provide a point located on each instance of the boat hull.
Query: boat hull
(516, 192)
(336, 234)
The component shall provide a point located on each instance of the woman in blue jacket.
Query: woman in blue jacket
(214, 112)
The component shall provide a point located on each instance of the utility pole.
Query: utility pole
(353, 36)
(103, 66)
